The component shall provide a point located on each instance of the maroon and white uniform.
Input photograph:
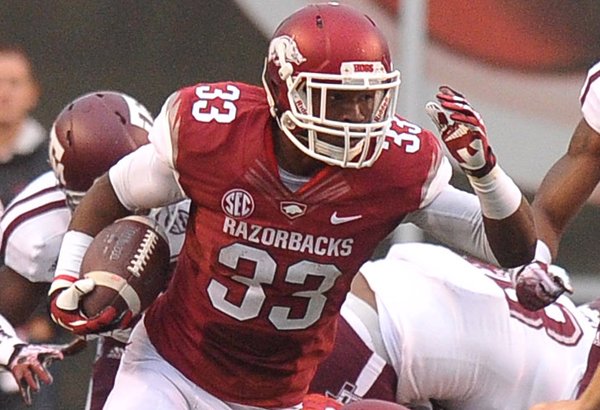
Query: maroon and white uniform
(32, 228)
(31, 231)
(590, 108)
(253, 303)
(454, 333)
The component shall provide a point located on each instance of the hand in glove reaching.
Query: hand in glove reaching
(462, 131)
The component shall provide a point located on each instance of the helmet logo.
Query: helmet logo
(56, 153)
(285, 47)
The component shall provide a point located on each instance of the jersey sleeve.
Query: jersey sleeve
(146, 178)
(164, 134)
(454, 217)
(30, 257)
(440, 175)
(590, 98)
(32, 228)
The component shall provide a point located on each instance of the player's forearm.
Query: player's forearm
(560, 197)
(18, 296)
(512, 239)
(98, 208)
(567, 186)
(590, 399)
(507, 218)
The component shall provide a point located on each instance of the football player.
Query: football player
(293, 185)
(425, 324)
(88, 136)
(564, 190)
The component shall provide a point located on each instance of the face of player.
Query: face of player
(345, 106)
(340, 105)
(18, 90)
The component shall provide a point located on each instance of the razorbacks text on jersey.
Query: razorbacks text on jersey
(455, 333)
(257, 290)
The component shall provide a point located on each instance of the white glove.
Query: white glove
(29, 364)
(538, 284)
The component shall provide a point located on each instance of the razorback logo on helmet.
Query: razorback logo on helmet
(292, 209)
(286, 47)
(237, 203)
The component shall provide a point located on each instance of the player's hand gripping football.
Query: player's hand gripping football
(463, 132)
(538, 284)
(29, 364)
(65, 308)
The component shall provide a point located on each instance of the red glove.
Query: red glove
(65, 296)
(463, 132)
(538, 284)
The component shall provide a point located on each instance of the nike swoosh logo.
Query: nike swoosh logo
(336, 220)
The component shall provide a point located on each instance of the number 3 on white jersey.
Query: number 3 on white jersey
(205, 109)
(264, 273)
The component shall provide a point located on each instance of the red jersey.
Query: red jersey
(253, 304)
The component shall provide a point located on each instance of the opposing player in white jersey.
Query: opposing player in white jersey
(293, 185)
(563, 192)
(425, 325)
(89, 135)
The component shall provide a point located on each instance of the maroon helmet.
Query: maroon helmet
(91, 134)
(325, 48)
(373, 404)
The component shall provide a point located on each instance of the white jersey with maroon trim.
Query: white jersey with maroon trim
(590, 98)
(32, 228)
(455, 333)
(34, 223)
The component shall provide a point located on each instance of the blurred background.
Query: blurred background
(521, 64)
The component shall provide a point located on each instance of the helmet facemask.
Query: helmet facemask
(311, 127)
(317, 71)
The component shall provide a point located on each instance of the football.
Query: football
(372, 404)
(129, 262)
